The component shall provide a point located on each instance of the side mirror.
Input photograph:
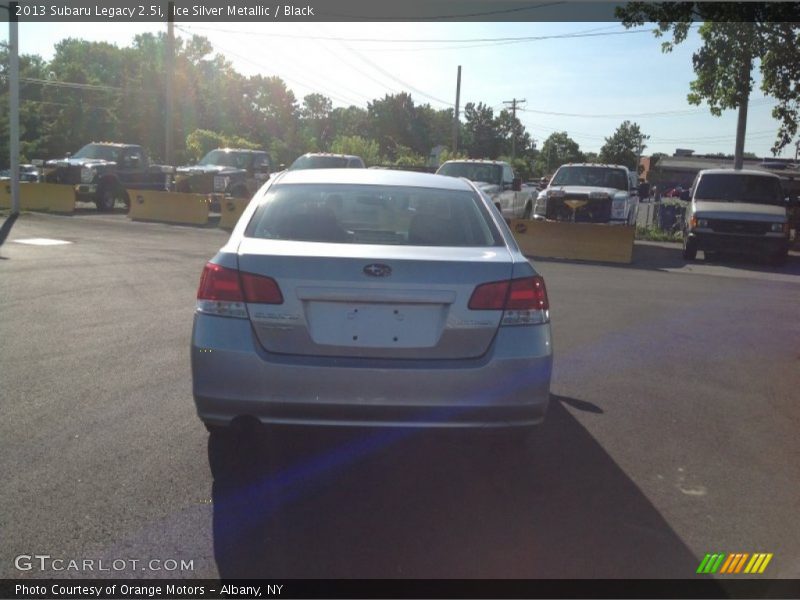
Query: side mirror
(498, 207)
(792, 202)
(68, 154)
(685, 195)
(282, 167)
(516, 184)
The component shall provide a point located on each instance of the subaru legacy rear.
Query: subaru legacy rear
(366, 297)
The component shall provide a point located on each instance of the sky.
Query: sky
(586, 86)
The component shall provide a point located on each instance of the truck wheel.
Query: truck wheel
(526, 214)
(239, 192)
(779, 259)
(689, 248)
(107, 198)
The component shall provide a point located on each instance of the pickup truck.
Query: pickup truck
(103, 172)
(590, 193)
(496, 180)
(742, 211)
(229, 171)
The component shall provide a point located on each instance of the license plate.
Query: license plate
(376, 325)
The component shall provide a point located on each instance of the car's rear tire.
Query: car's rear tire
(779, 259)
(239, 192)
(107, 197)
(239, 427)
(526, 214)
(689, 248)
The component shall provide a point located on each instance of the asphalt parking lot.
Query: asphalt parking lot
(673, 430)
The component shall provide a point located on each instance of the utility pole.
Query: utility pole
(455, 114)
(13, 103)
(513, 102)
(744, 95)
(170, 68)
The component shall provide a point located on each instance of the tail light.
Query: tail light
(224, 292)
(523, 301)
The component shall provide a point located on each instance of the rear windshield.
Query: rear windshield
(239, 160)
(592, 176)
(753, 189)
(486, 173)
(367, 214)
(319, 162)
(98, 151)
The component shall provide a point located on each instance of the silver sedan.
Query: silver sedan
(366, 297)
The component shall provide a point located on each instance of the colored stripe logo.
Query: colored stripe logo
(731, 564)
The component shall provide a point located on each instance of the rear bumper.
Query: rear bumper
(725, 242)
(233, 376)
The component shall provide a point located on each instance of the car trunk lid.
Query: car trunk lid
(376, 301)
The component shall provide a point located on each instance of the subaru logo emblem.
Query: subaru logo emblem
(377, 270)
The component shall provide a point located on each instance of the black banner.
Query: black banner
(73, 589)
(128, 11)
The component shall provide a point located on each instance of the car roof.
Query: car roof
(114, 144)
(738, 172)
(484, 161)
(243, 150)
(348, 156)
(372, 177)
(604, 165)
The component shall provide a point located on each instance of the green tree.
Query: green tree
(435, 128)
(624, 147)
(352, 120)
(557, 150)
(30, 108)
(359, 146)
(394, 124)
(202, 141)
(481, 138)
(406, 157)
(316, 115)
(515, 140)
(735, 36)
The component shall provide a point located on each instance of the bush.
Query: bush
(652, 234)
(202, 141)
(358, 146)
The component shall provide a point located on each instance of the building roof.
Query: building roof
(698, 163)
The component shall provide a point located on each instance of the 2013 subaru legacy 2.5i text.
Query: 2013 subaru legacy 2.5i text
(365, 297)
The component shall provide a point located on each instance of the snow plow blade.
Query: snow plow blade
(574, 241)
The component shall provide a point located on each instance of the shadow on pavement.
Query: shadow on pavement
(645, 256)
(755, 263)
(670, 256)
(387, 503)
(8, 223)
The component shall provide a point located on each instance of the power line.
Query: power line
(502, 40)
(667, 113)
(335, 96)
(397, 79)
(71, 85)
